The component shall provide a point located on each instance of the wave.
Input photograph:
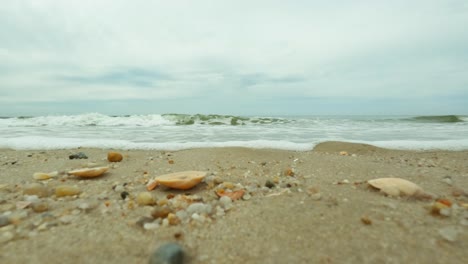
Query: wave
(437, 119)
(96, 119)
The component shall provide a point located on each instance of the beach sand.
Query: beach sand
(322, 212)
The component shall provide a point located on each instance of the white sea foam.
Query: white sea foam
(174, 132)
(45, 143)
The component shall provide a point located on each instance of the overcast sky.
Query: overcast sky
(233, 57)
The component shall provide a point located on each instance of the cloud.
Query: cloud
(52, 51)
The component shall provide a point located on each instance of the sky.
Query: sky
(241, 57)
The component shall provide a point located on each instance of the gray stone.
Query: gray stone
(4, 220)
(170, 253)
(79, 155)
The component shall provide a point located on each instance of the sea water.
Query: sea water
(182, 131)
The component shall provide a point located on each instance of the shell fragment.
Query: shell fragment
(44, 176)
(89, 172)
(398, 187)
(183, 180)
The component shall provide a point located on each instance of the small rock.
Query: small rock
(270, 184)
(145, 198)
(144, 220)
(67, 219)
(79, 155)
(170, 253)
(199, 208)
(40, 207)
(4, 220)
(289, 172)
(449, 233)
(37, 189)
(150, 226)
(7, 236)
(448, 180)
(124, 195)
(225, 202)
(246, 197)
(173, 219)
(160, 212)
(66, 190)
(114, 157)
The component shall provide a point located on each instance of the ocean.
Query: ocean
(183, 131)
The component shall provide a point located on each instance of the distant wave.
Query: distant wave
(185, 119)
(97, 119)
(437, 119)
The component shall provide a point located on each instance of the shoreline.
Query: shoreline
(321, 213)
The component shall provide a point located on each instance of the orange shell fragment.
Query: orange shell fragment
(89, 172)
(183, 180)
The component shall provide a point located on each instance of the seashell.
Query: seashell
(44, 176)
(89, 172)
(183, 180)
(397, 187)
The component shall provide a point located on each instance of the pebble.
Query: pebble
(37, 189)
(145, 198)
(79, 155)
(170, 253)
(124, 195)
(114, 157)
(40, 207)
(200, 208)
(225, 202)
(4, 220)
(66, 190)
(270, 184)
(7, 236)
(316, 196)
(246, 197)
(67, 219)
(150, 226)
(448, 180)
(144, 220)
(160, 212)
(449, 233)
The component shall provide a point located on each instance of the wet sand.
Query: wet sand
(322, 212)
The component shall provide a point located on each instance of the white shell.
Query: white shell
(396, 187)
(183, 180)
(44, 176)
(89, 172)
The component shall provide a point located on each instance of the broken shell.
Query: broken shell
(89, 172)
(44, 176)
(183, 180)
(397, 187)
(234, 195)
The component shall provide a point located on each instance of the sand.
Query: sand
(324, 213)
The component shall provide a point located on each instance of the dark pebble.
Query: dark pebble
(79, 155)
(269, 184)
(124, 194)
(170, 253)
